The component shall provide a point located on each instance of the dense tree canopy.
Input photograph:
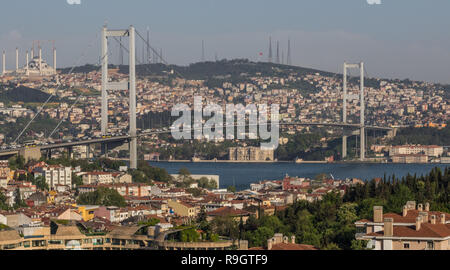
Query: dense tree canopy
(102, 196)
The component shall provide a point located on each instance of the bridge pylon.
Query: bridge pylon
(359, 66)
(130, 85)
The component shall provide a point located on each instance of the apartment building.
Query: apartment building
(55, 175)
(106, 178)
(412, 158)
(416, 228)
(250, 154)
(428, 150)
(184, 209)
(5, 173)
(97, 178)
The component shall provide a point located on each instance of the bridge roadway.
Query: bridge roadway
(107, 139)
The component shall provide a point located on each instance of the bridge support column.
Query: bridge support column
(344, 113)
(362, 142)
(48, 154)
(131, 87)
(88, 151)
(362, 119)
(133, 142)
(70, 152)
(344, 146)
(104, 151)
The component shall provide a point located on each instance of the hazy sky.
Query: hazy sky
(396, 39)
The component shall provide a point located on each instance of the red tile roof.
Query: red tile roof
(427, 230)
(228, 211)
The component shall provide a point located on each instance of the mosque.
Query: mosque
(34, 67)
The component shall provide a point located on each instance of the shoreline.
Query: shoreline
(291, 162)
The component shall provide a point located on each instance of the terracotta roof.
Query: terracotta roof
(288, 246)
(410, 217)
(427, 230)
(284, 246)
(228, 211)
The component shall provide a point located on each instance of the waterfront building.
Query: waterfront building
(428, 150)
(410, 158)
(250, 154)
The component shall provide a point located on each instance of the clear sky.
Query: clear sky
(396, 39)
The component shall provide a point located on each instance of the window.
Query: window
(430, 245)
(405, 245)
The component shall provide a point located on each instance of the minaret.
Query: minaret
(270, 49)
(278, 52)
(54, 58)
(26, 64)
(40, 60)
(4, 63)
(17, 59)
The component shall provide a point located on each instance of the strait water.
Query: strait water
(243, 174)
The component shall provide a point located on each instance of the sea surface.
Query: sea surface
(242, 175)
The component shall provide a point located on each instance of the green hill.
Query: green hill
(23, 94)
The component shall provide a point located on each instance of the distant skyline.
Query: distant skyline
(396, 39)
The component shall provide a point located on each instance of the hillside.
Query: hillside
(238, 71)
(23, 94)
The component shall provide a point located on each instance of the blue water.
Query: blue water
(243, 174)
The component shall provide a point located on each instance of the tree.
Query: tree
(150, 222)
(347, 213)
(184, 173)
(225, 226)
(231, 189)
(399, 198)
(77, 180)
(146, 173)
(359, 245)
(3, 202)
(207, 183)
(189, 235)
(259, 237)
(41, 183)
(331, 246)
(102, 196)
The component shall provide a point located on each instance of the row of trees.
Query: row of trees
(393, 192)
(102, 196)
(425, 136)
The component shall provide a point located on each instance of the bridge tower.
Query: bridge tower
(130, 85)
(346, 97)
